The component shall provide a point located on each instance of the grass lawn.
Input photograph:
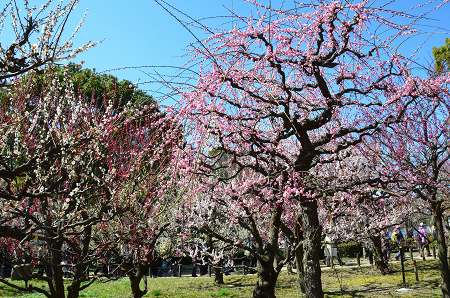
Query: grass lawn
(339, 282)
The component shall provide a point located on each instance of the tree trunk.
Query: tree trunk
(299, 255)
(81, 269)
(267, 278)
(56, 282)
(218, 274)
(289, 268)
(136, 291)
(73, 291)
(299, 265)
(312, 233)
(380, 261)
(135, 276)
(442, 248)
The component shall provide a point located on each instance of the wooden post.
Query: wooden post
(434, 252)
(411, 253)
(416, 272)
(209, 270)
(179, 270)
(402, 261)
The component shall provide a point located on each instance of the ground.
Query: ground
(346, 281)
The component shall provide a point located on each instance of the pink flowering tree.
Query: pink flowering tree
(285, 91)
(148, 198)
(62, 174)
(417, 152)
(245, 211)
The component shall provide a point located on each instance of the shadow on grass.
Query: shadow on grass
(371, 289)
(239, 283)
(6, 291)
(375, 289)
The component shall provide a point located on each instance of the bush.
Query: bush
(349, 249)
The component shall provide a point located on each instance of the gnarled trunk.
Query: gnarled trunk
(380, 261)
(267, 272)
(267, 278)
(135, 281)
(312, 233)
(81, 268)
(299, 256)
(135, 288)
(299, 265)
(135, 277)
(218, 274)
(73, 291)
(442, 248)
(56, 281)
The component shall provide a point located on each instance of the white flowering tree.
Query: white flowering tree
(63, 170)
(32, 35)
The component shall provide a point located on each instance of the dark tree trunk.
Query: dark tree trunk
(442, 248)
(299, 256)
(267, 278)
(56, 282)
(299, 265)
(82, 266)
(380, 261)
(73, 291)
(135, 280)
(370, 256)
(289, 268)
(218, 274)
(267, 272)
(312, 233)
(194, 269)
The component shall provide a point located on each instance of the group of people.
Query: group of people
(423, 236)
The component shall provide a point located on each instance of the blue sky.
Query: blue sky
(138, 32)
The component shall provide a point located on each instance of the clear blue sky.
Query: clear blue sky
(138, 32)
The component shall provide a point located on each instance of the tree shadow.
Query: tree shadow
(239, 283)
(371, 289)
(6, 291)
(375, 289)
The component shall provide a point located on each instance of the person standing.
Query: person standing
(423, 240)
(386, 246)
(330, 251)
(397, 237)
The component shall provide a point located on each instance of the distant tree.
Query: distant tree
(442, 57)
(97, 89)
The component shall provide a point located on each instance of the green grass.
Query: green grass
(338, 282)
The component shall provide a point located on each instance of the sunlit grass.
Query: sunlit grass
(338, 282)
